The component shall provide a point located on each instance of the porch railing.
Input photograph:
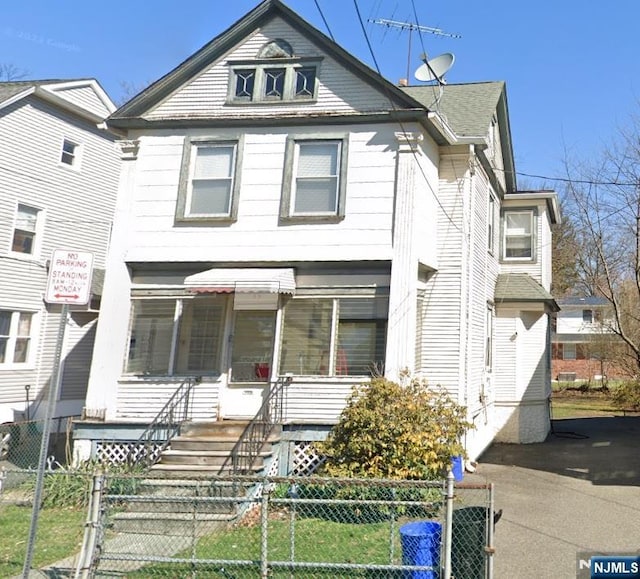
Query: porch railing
(245, 452)
(164, 426)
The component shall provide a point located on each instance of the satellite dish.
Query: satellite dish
(436, 68)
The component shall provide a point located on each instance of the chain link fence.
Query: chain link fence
(287, 527)
(136, 525)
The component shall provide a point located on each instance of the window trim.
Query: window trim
(260, 66)
(13, 336)
(533, 213)
(184, 187)
(287, 213)
(37, 237)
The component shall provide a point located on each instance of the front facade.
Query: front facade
(285, 211)
(59, 181)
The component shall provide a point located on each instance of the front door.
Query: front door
(251, 358)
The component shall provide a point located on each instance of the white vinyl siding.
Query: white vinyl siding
(363, 233)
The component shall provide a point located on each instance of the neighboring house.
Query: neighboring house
(58, 183)
(583, 340)
(283, 209)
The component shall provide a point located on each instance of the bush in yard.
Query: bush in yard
(626, 396)
(396, 431)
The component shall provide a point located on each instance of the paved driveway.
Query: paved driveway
(577, 491)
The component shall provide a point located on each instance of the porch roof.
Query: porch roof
(247, 280)
(521, 287)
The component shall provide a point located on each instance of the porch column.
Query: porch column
(401, 331)
(113, 320)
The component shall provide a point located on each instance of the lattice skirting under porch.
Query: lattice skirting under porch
(305, 458)
(121, 451)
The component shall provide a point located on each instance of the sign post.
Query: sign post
(69, 283)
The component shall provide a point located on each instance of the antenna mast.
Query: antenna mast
(410, 26)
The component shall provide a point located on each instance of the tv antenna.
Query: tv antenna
(410, 27)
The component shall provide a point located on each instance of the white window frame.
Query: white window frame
(260, 68)
(13, 336)
(185, 187)
(75, 155)
(288, 200)
(37, 233)
(532, 214)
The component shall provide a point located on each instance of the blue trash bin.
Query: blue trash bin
(421, 546)
(457, 466)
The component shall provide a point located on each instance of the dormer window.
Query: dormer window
(275, 75)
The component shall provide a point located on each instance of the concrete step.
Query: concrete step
(203, 457)
(184, 470)
(165, 523)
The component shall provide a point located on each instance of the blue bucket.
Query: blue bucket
(421, 546)
(457, 468)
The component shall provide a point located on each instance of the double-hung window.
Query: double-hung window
(176, 336)
(15, 337)
(518, 240)
(315, 179)
(209, 181)
(339, 336)
(70, 154)
(25, 230)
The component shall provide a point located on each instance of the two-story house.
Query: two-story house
(58, 177)
(584, 343)
(285, 210)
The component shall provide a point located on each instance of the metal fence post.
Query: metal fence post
(264, 523)
(490, 547)
(448, 526)
(91, 528)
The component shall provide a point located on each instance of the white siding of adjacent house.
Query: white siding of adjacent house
(76, 206)
(85, 97)
(340, 91)
(364, 233)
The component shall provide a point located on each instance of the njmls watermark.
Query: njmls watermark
(600, 565)
(38, 39)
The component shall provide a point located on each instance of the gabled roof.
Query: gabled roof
(216, 48)
(521, 287)
(53, 90)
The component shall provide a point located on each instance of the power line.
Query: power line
(324, 19)
(426, 179)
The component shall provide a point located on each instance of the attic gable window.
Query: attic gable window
(275, 75)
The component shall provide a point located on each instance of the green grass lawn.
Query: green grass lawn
(316, 540)
(59, 535)
(581, 401)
